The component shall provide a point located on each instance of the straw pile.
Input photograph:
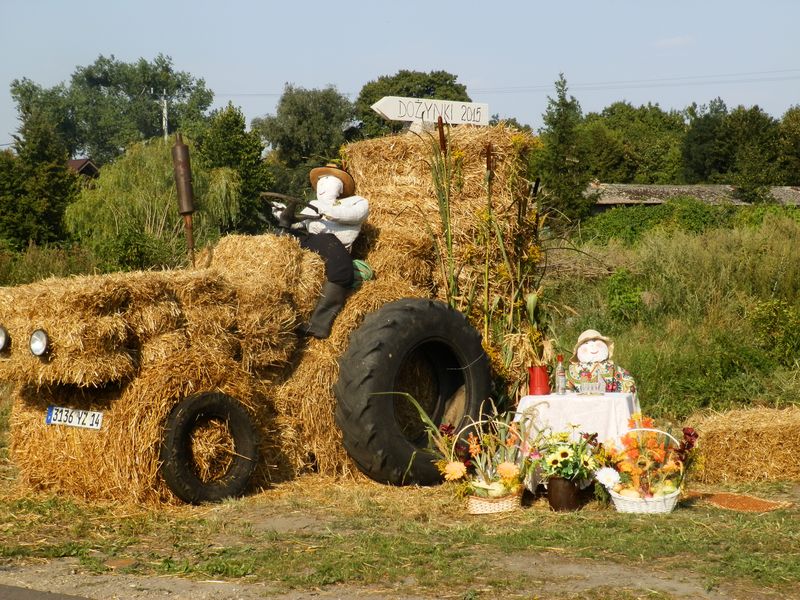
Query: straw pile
(758, 444)
(134, 344)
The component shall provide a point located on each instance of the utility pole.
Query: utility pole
(164, 118)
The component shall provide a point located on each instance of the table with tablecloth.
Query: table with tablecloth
(605, 414)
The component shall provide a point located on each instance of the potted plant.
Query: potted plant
(647, 472)
(566, 462)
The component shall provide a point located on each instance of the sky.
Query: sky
(508, 54)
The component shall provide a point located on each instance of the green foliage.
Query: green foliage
(406, 84)
(226, 143)
(623, 297)
(560, 164)
(129, 217)
(701, 320)
(776, 325)
(35, 186)
(624, 144)
(307, 130)
(789, 143)
(110, 104)
(629, 224)
(707, 150)
(38, 262)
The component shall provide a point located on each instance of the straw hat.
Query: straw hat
(588, 336)
(330, 169)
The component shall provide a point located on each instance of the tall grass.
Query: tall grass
(701, 320)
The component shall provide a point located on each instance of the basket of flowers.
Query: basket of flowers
(566, 463)
(488, 460)
(648, 470)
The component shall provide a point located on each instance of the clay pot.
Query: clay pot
(563, 494)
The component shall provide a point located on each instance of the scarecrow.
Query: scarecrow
(333, 224)
(592, 362)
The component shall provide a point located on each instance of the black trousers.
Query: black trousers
(338, 262)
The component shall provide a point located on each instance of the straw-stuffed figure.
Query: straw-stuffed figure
(333, 227)
(592, 361)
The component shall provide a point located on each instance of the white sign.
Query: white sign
(425, 110)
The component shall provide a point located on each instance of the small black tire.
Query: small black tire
(376, 433)
(177, 460)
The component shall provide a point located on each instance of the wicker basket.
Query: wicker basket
(656, 504)
(477, 505)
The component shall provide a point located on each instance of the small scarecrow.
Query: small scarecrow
(592, 362)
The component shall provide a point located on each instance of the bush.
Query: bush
(39, 262)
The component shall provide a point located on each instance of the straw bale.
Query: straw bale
(756, 444)
(394, 173)
(120, 461)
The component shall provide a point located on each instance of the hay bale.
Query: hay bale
(756, 444)
(134, 344)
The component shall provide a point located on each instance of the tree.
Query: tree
(110, 104)
(560, 164)
(755, 138)
(226, 143)
(789, 140)
(35, 186)
(129, 217)
(412, 84)
(707, 149)
(307, 130)
(645, 144)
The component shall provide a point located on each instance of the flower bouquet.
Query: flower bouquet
(647, 473)
(566, 462)
(487, 459)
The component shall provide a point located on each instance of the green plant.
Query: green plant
(567, 454)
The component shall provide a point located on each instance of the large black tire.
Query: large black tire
(177, 459)
(425, 349)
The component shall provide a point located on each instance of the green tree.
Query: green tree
(130, 216)
(563, 170)
(226, 143)
(35, 186)
(110, 104)
(756, 140)
(645, 144)
(308, 129)
(411, 84)
(789, 140)
(707, 150)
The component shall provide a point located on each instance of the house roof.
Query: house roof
(83, 166)
(622, 194)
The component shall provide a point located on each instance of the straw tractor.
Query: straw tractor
(192, 383)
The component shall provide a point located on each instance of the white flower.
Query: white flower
(607, 476)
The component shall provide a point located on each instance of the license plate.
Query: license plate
(89, 419)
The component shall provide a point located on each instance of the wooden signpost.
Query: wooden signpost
(427, 111)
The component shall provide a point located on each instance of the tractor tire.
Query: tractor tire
(412, 346)
(179, 466)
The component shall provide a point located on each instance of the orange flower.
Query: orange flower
(474, 445)
(454, 470)
(507, 470)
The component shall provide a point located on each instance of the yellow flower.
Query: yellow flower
(507, 470)
(454, 470)
(553, 460)
(564, 452)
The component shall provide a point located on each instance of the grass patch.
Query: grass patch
(315, 532)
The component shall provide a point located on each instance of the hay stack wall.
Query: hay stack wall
(134, 344)
(757, 444)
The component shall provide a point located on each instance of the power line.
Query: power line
(689, 80)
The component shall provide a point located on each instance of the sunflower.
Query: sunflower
(564, 452)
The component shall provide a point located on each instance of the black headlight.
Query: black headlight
(5, 339)
(40, 343)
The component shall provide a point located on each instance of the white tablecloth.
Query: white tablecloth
(606, 414)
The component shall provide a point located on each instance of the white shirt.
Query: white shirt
(340, 216)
